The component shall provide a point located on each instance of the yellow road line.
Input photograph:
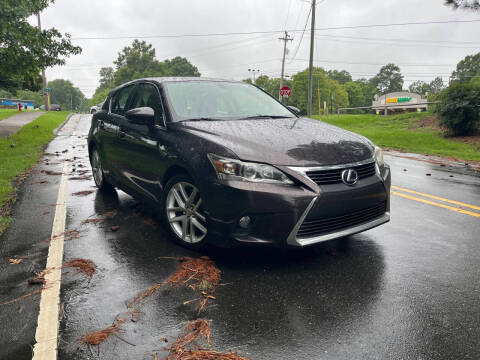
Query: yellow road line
(437, 204)
(437, 198)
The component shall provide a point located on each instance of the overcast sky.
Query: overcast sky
(231, 56)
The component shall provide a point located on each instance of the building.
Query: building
(13, 104)
(400, 101)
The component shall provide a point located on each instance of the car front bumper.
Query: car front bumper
(278, 212)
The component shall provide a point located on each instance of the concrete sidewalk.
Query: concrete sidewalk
(12, 124)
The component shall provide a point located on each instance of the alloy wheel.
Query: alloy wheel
(184, 212)
(97, 168)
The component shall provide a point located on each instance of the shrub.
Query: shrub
(459, 108)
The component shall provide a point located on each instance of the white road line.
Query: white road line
(47, 324)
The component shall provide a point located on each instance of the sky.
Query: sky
(422, 51)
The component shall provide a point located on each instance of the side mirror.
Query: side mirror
(295, 110)
(141, 116)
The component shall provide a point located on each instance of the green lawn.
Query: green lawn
(402, 132)
(27, 148)
(4, 113)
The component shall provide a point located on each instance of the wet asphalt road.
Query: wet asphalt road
(409, 289)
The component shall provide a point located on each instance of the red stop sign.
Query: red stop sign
(285, 91)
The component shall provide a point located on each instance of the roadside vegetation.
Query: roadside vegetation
(19, 153)
(412, 132)
(5, 113)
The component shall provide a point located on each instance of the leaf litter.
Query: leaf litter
(195, 273)
(83, 193)
(198, 274)
(187, 346)
(82, 265)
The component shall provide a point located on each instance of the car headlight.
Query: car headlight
(246, 171)
(379, 156)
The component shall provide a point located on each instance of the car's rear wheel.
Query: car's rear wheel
(184, 213)
(97, 170)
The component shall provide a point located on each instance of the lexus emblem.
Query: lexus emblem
(349, 177)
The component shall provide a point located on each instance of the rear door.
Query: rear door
(107, 133)
(118, 107)
(144, 157)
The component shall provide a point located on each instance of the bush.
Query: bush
(459, 108)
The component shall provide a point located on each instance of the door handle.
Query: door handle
(121, 134)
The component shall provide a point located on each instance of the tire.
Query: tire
(183, 213)
(97, 171)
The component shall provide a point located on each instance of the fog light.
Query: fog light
(244, 222)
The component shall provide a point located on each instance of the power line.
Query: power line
(275, 31)
(403, 40)
(288, 13)
(368, 42)
(303, 33)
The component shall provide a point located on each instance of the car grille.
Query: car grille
(334, 176)
(337, 223)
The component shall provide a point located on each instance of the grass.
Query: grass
(5, 113)
(402, 132)
(19, 152)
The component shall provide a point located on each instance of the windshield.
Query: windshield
(220, 100)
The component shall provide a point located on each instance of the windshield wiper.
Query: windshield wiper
(201, 119)
(267, 117)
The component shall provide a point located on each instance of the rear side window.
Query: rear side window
(146, 95)
(120, 99)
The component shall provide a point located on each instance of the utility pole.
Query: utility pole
(284, 39)
(44, 79)
(310, 68)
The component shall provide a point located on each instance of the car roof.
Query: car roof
(161, 80)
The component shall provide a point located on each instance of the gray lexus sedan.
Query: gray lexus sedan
(222, 161)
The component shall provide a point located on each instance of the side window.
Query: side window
(105, 103)
(146, 95)
(119, 100)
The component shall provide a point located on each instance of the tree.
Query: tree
(464, 4)
(342, 76)
(4, 94)
(356, 98)
(106, 78)
(30, 95)
(271, 85)
(328, 88)
(98, 97)
(388, 79)
(419, 87)
(138, 61)
(458, 109)
(467, 69)
(436, 85)
(368, 90)
(180, 66)
(24, 49)
(65, 94)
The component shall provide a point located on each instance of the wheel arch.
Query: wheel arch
(174, 170)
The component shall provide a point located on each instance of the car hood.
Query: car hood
(289, 142)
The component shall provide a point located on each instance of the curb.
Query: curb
(59, 127)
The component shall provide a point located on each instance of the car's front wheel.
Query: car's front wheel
(97, 171)
(184, 213)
